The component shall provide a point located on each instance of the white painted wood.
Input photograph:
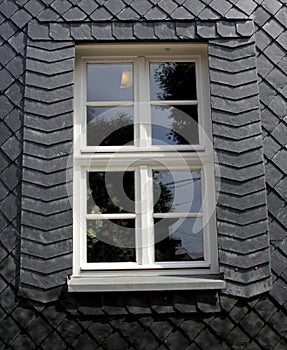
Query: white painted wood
(140, 283)
(169, 266)
(147, 240)
(177, 102)
(111, 269)
(143, 157)
(110, 216)
(76, 221)
(176, 215)
(109, 104)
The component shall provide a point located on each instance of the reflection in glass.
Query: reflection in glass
(174, 125)
(108, 126)
(173, 81)
(110, 240)
(177, 191)
(178, 239)
(110, 192)
(109, 82)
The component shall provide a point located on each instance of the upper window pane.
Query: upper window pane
(110, 126)
(173, 81)
(109, 82)
(174, 125)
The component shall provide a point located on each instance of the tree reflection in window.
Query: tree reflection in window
(110, 126)
(176, 239)
(110, 240)
(174, 124)
(111, 192)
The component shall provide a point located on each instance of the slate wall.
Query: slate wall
(46, 236)
(136, 321)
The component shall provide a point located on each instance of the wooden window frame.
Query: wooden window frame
(146, 275)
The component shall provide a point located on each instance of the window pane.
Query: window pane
(110, 192)
(108, 126)
(174, 125)
(176, 191)
(111, 240)
(178, 240)
(173, 81)
(109, 82)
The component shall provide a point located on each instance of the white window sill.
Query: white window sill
(144, 283)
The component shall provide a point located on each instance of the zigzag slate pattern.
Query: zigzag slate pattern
(46, 244)
(241, 210)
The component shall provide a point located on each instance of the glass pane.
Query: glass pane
(111, 240)
(178, 240)
(110, 82)
(174, 125)
(110, 192)
(173, 81)
(108, 126)
(176, 191)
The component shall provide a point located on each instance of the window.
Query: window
(144, 195)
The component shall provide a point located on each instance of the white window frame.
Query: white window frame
(144, 274)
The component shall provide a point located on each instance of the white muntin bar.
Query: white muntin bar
(176, 215)
(110, 216)
(147, 231)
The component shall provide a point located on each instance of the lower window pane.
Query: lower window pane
(110, 192)
(111, 241)
(177, 191)
(178, 239)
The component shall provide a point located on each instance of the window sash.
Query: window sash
(144, 217)
(142, 105)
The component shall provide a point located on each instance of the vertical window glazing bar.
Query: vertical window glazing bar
(83, 223)
(144, 103)
(138, 211)
(147, 231)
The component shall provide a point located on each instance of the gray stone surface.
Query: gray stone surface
(38, 31)
(102, 31)
(226, 29)
(206, 31)
(165, 31)
(182, 14)
(185, 30)
(123, 31)
(250, 323)
(21, 18)
(81, 31)
(59, 31)
(75, 14)
(143, 30)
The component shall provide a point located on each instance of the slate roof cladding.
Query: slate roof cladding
(67, 324)
(142, 10)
